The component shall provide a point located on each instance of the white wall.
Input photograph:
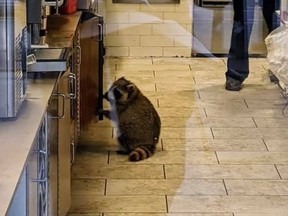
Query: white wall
(138, 30)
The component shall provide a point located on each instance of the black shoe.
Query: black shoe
(233, 84)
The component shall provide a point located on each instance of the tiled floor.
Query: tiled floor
(221, 153)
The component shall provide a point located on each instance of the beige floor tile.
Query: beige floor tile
(183, 112)
(168, 87)
(221, 171)
(283, 171)
(268, 94)
(196, 61)
(176, 95)
(215, 80)
(276, 144)
(173, 67)
(245, 204)
(91, 157)
(210, 65)
(205, 122)
(131, 171)
(167, 214)
(251, 133)
(253, 157)
(103, 145)
(196, 102)
(100, 133)
(173, 144)
(88, 187)
(265, 104)
(137, 61)
(257, 187)
(123, 187)
(140, 72)
(171, 157)
(272, 122)
(242, 113)
(261, 214)
(160, 80)
(207, 94)
(200, 133)
(171, 73)
(84, 214)
(118, 204)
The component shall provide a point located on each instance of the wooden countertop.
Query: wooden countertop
(61, 29)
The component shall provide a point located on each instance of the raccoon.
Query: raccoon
(136, 119)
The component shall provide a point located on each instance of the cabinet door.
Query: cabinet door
(64, 142)
(89, 31)
(53, 153)
(18, 204)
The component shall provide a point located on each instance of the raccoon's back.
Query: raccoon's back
(140, 121)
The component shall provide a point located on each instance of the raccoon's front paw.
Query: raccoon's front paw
(105, 113)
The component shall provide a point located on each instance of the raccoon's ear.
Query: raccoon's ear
(130, 87)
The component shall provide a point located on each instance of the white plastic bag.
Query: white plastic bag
(277, 52)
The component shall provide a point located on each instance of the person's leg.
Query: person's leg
(238, 63)
(269, 7)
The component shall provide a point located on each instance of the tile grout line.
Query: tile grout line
(108, 159)
(265, 145)
(278, 172)
(246, 103)
(217, 157)
(164, 172)
(255, 122)
(105, 187)
(211, 131)
(158, 103)
(194, 80)
(167, 208)
(161, 142)
(225, 187)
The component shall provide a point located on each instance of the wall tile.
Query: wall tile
(117, 17)
(122, 40)
(135, 29)
(169, 29)
(145, 51)
(117, 51)
(141, 17)
(157, 41)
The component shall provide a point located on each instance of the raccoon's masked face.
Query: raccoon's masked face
(121, 91)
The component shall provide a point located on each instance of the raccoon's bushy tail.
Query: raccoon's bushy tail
(141, 152)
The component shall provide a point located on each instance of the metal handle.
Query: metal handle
(73, 152)
(100, 32)
(39, 180)
(73, 93)
(63, 107)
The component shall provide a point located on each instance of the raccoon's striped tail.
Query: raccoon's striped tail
(141, 152)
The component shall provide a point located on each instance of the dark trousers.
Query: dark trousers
(238, 63)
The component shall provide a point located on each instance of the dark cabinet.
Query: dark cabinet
(92, 60)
